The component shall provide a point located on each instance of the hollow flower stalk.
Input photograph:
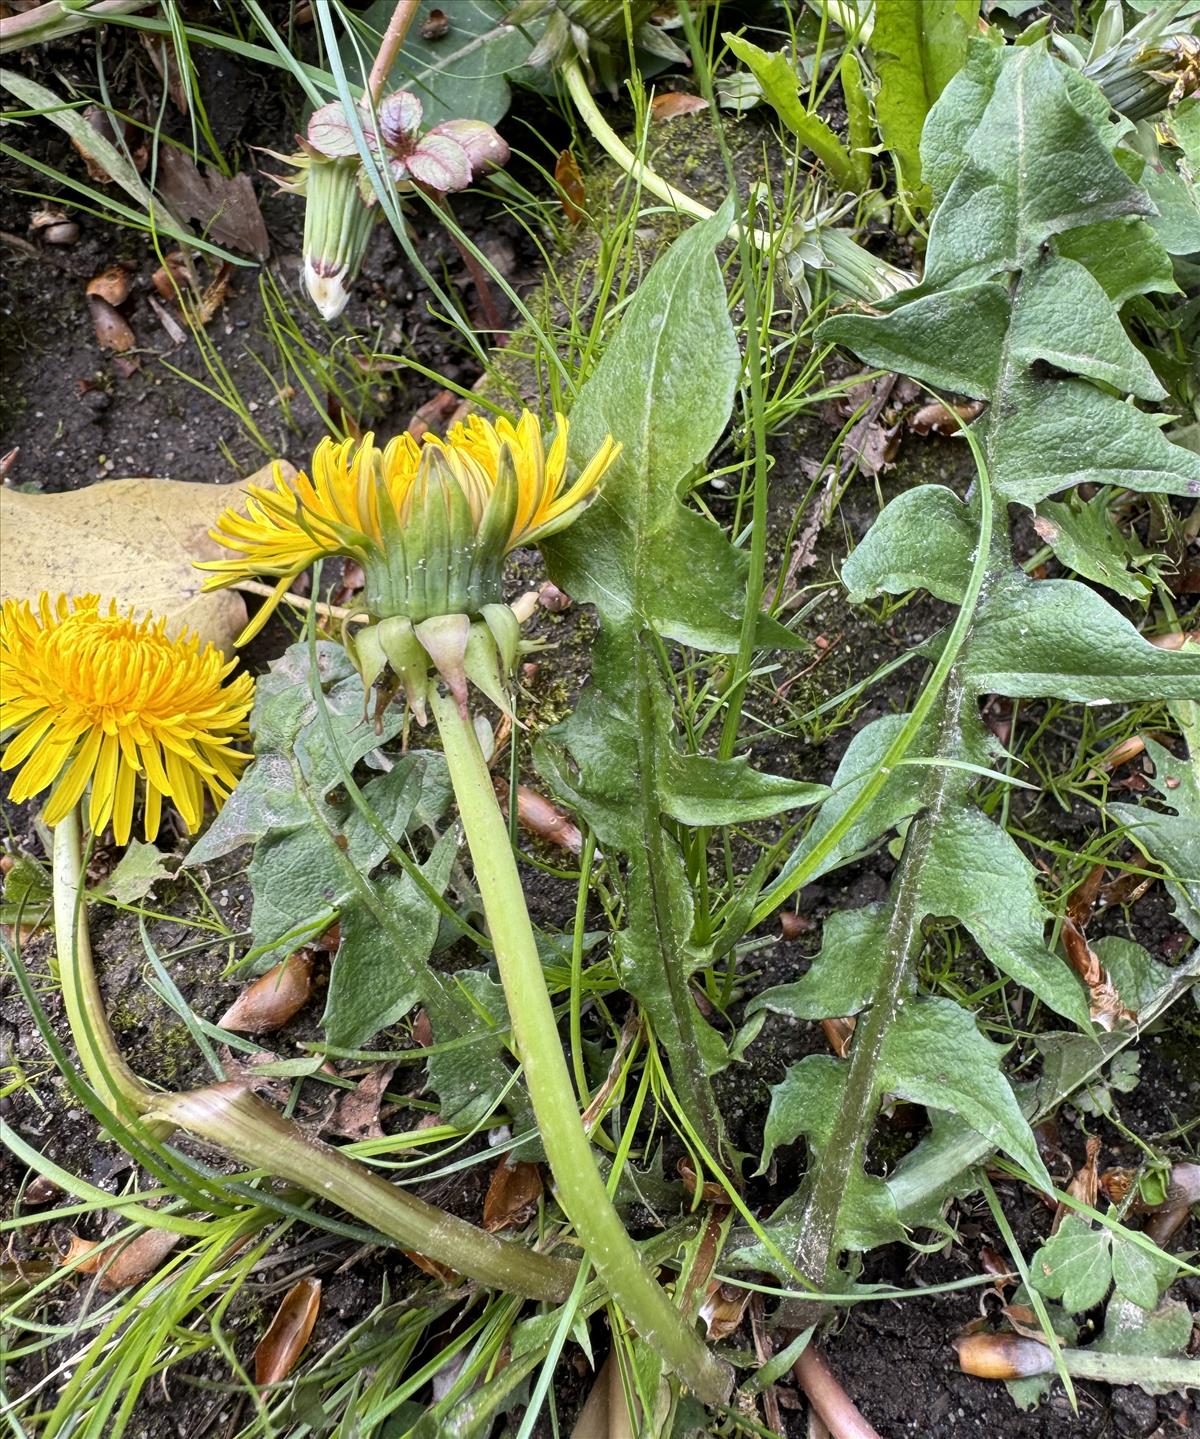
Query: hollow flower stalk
(92, 696)
(430, 523)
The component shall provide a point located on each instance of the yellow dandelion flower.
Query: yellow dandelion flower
(96, 696)
(430, 523)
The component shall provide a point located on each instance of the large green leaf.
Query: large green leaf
(922, 539)
(803, 1104)
(843, 975)
(976, 874)
(1085, 538)
(934, 1055)
(664, 388)
(1060, 433)
(1035, 165)
(1036, 639)
(1018, 306)
(460, 73)
(917, 46)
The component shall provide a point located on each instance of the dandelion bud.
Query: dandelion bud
(338, 221)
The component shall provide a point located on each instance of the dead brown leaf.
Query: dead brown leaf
(540, 817)
(101, 122)
(838, 1034)
(938, 419)
(710, 1191)
(113, 331)
(673, 103)
(174, 277)
(571, 192)
(112, 284)
(434, 414)
(722, 1310)
(281, 1346)
(134, 541)
(271, 1000)
(431, 1267)
(81, 1254)
(512, 1197)
(1085, 1182)
(162, 57)
(227, 210)
(1104, 1003)
(201, 311)
(136, 1260)
(357, 1112)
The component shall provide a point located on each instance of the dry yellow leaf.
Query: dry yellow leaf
(133, 541)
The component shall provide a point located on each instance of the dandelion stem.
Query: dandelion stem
(229, 1117)
(611, 142)
(99, 1056)
(393, 37)
(581, 1191)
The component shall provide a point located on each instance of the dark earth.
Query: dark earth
(76, 415)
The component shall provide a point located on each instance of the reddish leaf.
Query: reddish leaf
(112, 329)
(513, 1195)
(283, 1343)
(571, 192)
(673, 103)
(485, 149)
(329, 131)
(399, 118)
(440, 162)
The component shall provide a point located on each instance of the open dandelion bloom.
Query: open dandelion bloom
(429, 523)
(96, 696)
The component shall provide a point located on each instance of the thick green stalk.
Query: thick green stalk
(99, 1057)
(581, 1191)
(230, 1116)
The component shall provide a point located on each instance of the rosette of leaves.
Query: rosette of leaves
(1039, 236)
(444, 157)
(341, 202)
